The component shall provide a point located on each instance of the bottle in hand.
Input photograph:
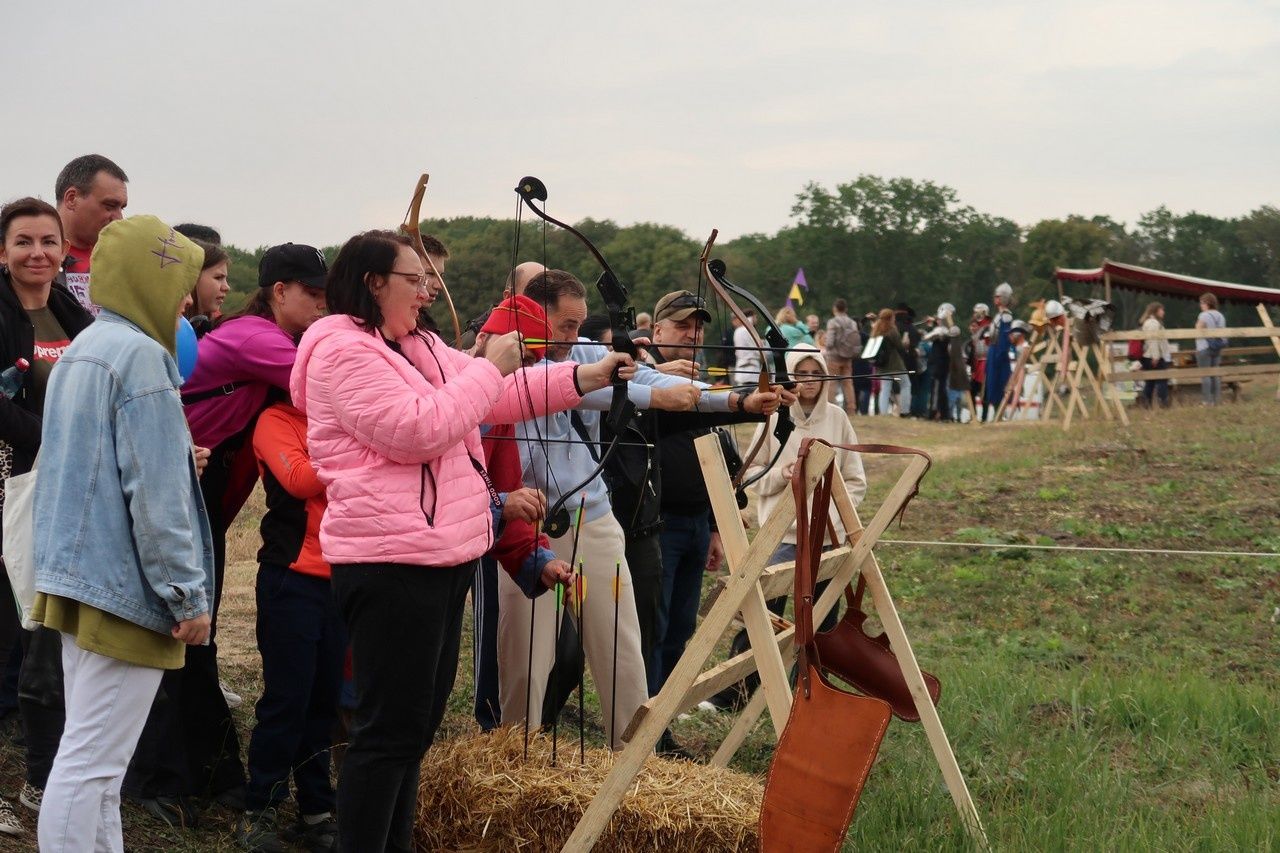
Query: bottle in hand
(11, 379)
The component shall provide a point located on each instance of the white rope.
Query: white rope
(1075, 548)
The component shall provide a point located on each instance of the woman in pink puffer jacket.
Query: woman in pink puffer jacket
(393, 416)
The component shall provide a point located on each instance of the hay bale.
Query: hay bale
(478, 793)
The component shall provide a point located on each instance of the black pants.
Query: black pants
(862, 385)
(405, 625)
(1152, 388)
(484, 645)
(41, 701)
(189, 746)
(303, 643)
(939, 402)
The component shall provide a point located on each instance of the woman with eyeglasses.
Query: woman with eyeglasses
(393, 427)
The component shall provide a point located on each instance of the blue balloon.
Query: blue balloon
(186, 349)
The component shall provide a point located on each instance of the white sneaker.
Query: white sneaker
(232, 697)
(9, 823)
(31, 796)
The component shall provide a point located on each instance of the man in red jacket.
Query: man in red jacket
(521, 548)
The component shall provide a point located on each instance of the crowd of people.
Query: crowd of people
(401, 474)
(888, 363)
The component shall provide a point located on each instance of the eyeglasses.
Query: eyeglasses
(416, 279)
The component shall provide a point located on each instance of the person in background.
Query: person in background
(747, 358)
(211, 288)
(38, 320)
(844, 345)
(893, 362)
(201, 233)
(92, 193)
(904, 317)
(939, 361)
(792, 329)
(302, 642)
(644, 321)
(132, 587)
(957, 369)
(999, 364)
(1156, 355)
(864, 382)
(393, 427)
(814, 324)
(979, 325)
(1209, 350)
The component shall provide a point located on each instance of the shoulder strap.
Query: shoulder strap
(211, 393)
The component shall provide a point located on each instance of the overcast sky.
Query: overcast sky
(310, 121)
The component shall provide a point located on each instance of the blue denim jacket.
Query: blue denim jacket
(119, 520)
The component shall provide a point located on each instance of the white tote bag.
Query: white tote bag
(872, 347)
(19, 542)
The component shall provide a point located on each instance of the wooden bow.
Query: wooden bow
(714, 270)
(410, 229)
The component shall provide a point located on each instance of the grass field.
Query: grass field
(1095, 701)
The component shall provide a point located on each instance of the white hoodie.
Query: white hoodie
(827, 422)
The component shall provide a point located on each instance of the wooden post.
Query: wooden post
(1275, 342)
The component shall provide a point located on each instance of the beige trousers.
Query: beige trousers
(601, 546)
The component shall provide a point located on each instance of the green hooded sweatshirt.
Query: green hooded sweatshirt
(142, 270)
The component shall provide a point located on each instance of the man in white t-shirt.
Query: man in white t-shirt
(747, 357)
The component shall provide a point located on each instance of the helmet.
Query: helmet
(946, 309)
(981, 308)
(1053, 309)
(1020, 326)
(1004, 289)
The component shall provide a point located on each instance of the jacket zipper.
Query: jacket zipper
(422, 495)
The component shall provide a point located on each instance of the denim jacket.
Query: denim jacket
(120, 524)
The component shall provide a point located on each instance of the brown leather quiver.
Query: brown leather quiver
(867, 662)
(832, 737)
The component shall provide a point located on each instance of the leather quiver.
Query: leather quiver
(867, 662)
(831, 738)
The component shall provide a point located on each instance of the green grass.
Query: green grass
(1095, 701)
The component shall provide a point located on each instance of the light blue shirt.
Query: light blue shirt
(553, 467)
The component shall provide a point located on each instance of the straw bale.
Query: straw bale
(479, 793)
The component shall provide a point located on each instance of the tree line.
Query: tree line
(875, 241)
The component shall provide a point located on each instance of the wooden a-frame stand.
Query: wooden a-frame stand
(745, 591)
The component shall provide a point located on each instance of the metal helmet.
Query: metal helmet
(1020, 326)
(981, 309)
(1053, 309)
(1004, 289)
(946, 309)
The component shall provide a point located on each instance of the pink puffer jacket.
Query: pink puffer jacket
(397, 444)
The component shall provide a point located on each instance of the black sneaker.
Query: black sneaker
(258, 832)
(318, 837)
(669, 748)
(173, 812)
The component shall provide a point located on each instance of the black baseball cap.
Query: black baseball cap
(292, 262)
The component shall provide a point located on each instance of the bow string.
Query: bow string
(715, 271)
(622, 320)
